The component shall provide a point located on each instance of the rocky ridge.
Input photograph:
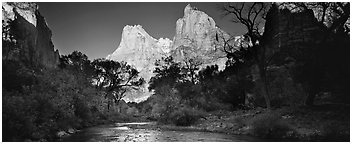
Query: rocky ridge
(141, 50)
(197, 37)
(29, 34)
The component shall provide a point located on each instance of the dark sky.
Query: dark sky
(95, 28)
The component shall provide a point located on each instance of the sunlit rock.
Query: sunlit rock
(198, 35)
(141, 50)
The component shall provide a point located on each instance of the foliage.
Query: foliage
(284, 91)
(40, 102)
(168, 107)
(334, 132)
(167, 72)
(115, 78)
(16, 75)
(185, 116)
(314, 67)
(56, 102)
(167, 101)
(252, 16)
(270, 125)
(213, 91)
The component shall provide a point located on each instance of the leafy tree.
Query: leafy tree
(167, 72)
(115, 78)
(210, 72)
(77, 62)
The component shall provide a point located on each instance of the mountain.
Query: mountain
(26, 35)
(197, 37)
(141, 50)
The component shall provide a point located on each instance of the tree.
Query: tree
(115, 78)
(190, 61)
(191, 67)
(167, 72)
(78, 63)
(252, 16)
(331, 15)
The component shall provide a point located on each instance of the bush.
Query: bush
(270, 125)
(283, 90)
(210, 104)
(57, 101)
(18, 116)
(185, 116)
(335, 132)
(240, 122)
(166, 101)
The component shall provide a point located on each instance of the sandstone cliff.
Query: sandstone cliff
(198, 37)
(141, 50)
(26, 35)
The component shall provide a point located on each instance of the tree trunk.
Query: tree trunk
(243, 96)
(266, 92)
(108, 105)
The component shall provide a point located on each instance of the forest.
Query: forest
(298, 91)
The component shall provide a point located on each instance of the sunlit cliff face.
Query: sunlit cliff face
(196, 36)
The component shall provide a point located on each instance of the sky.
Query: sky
(95, 28)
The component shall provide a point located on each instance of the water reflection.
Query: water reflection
(141, 132)
(121, 128)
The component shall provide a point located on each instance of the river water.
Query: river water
(146, 132)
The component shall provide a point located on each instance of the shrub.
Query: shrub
(57, 101)
(185, 116)
(240, 122)
(18, 116)
(166, 101)
(210, 104)
(335, 132)
(269, 125)
(283, 90)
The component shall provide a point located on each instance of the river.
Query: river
(147, 132)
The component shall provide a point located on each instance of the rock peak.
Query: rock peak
(188, 9)
(196, 32)
(25, 9)
(133, 26)
(141, 50)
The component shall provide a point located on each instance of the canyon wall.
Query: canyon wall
(26, 35)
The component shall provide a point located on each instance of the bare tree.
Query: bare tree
(331, 15)
(252, 16)
(191, 62)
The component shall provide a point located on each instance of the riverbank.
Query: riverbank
(110, 119)
(327, 122)
(150, 132)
